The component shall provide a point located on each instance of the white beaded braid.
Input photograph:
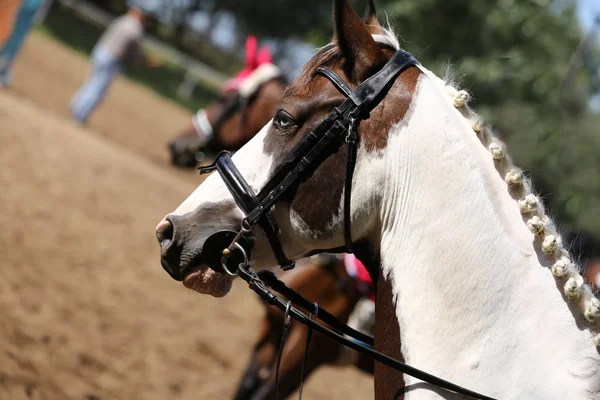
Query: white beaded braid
(514, 176)
(496, 150)
(534, 215)
(461, 99)
(528, 204)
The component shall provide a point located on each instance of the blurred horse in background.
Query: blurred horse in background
(593, 273)
(335, 285)
(246, 104)
(587, 248)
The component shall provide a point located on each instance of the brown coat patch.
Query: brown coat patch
(389, 383)
(317, 201)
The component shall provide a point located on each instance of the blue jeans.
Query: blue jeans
(105, 69)
(23, 24)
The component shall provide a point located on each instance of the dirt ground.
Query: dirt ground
(132, 116)
(86, 311)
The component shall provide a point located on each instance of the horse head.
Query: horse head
(309, 215)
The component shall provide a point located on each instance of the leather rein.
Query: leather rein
(229, 251)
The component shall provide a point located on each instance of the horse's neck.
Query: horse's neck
(474, 303)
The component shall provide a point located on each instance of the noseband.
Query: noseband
(338, 127)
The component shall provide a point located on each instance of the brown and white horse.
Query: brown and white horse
(232, 119)
(472, 271)
(324, 280)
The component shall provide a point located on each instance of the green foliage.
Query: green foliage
(278, 18)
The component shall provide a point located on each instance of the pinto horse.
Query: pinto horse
(325, 280)
(470, 270)
(246, 104)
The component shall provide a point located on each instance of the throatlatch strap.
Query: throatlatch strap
(351, 140)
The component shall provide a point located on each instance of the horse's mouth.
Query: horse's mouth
(204, 280)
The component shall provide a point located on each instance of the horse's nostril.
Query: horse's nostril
(170, 256)
(164, 231)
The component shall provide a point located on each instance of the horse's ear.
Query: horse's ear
(362, 55)
(371, 20)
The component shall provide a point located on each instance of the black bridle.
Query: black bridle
(338, 127)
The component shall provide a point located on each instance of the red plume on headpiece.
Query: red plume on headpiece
(251, 53)
(254, 59)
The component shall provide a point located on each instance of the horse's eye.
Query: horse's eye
(284, 121)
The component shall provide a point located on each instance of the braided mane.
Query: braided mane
(547, 238)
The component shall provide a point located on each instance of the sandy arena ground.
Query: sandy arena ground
(86, 311)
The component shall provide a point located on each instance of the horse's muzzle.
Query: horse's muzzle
(180, 248)
(178, 255)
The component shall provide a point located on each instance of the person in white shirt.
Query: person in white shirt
(120, 43)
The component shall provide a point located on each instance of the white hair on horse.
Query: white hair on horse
(538, 222)
(388, 37)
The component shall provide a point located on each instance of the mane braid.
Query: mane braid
(547, 238)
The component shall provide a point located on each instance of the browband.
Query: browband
(336, 80)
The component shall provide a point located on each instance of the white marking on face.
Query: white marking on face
(254, 165)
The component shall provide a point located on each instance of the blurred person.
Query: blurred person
(120, 43)
(24, 21)
(8, 14)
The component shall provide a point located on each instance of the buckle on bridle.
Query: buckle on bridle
(351, 136)
(244, 230)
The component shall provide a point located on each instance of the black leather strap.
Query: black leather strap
(308, 155)
(242, 193)
(299, 165)
(336, 80)
(255, 283)
(246, 199)
(369, 93)
(271, 280)
(351, 148)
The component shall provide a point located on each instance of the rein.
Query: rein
(338, 127)
(361, 343)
